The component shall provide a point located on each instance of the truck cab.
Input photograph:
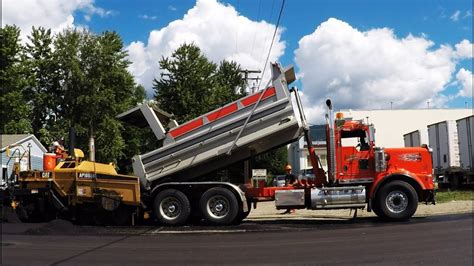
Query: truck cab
(395, 179)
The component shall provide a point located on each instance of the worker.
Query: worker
(59, 150)
(290, 180)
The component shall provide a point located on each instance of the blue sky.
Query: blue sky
(439, 23)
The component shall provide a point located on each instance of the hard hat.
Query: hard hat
(288, 167)
(55, 143)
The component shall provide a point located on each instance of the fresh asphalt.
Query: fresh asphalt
(436, 240)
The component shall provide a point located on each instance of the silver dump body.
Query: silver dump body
(232, 133)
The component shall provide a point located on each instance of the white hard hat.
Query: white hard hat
(55, 143)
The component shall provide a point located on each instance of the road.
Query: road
(445, 240)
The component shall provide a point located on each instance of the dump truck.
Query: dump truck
(177, 182)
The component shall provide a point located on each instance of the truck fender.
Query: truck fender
(403, 176)
(235, 189)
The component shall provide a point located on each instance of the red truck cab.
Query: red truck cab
(396, 179)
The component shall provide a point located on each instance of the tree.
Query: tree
(191, 85)
(14, 110)
(43, 81)
(96, 87)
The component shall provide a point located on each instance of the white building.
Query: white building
(19, 146)
(390, 126)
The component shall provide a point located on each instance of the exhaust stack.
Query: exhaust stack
(91, 149)
(331, 144)
(72, 142)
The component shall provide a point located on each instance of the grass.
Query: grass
(447, 195)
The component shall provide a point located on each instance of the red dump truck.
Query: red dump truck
(176, 182)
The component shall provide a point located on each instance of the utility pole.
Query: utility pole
(246, 73)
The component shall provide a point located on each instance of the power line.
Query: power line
(237, 31)
(273, 39)
(256, 28)
(266, 33)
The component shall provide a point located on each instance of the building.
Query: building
(298, 155)
(19, 146)
(390, 126)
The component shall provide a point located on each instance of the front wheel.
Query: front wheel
(397, 201)
(172, 207)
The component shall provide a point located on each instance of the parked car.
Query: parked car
(306, 174)
(279, 181)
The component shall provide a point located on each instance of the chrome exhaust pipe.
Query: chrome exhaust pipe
(331, 144)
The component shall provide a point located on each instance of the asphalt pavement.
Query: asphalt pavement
(435, 240)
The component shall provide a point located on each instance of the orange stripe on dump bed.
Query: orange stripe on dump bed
(254, 98)
(186, 128)
(222, 112)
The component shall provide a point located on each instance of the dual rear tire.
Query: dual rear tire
(217, 206)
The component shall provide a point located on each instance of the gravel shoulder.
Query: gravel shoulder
(267, 210)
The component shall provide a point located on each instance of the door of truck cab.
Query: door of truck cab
(354, 152)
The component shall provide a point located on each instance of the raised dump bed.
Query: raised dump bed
(234, 132)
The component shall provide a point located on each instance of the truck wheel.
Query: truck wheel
(377, 210)
(242, 215)
(172, 207)
(219, 206)
(398, 201)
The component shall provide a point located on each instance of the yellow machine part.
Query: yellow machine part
(81, 181)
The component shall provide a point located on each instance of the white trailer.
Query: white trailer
(416, 138)
(443, 139)
(465, 128)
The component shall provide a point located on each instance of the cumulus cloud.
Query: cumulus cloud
(218, 29)
(464, 49)
(370, 69)
(54, 14)
(464, 78)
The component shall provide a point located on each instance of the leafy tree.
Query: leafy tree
(43, 81)
(191, 85)
(273, 161)
(14, 110)
(96, 87)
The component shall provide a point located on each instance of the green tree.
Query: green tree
(191, 85)
(14, 110)
(96, 87)
(43, 81)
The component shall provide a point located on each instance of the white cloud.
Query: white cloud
(370, 69)
(218, 29)
(146, 17)
(455, 15)
(464, 78)
(54, 14)
(464, 49)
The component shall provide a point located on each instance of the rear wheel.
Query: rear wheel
(397, 201)
(242, 215)
(172, 207)
(219, 206)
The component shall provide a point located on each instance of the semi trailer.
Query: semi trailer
(451, 141)
(175, 182)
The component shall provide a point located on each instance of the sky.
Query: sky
(367, 54)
